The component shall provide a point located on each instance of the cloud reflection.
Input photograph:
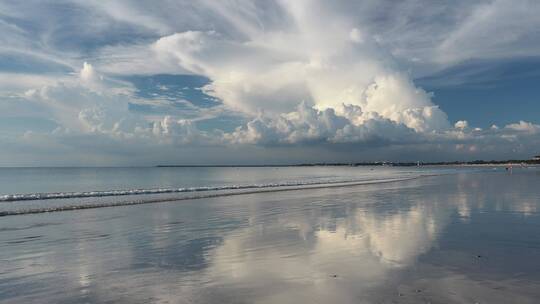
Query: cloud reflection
(338, 245)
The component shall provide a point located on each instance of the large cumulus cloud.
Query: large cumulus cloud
(322, 65)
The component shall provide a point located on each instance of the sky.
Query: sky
(126, 83)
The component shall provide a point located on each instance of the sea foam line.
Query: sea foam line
(89, 194)
(205, 195)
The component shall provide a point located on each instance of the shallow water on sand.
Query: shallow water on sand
(461, 238)
(38, 190)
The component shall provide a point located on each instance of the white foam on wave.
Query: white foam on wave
(84, 194)
(204, 192)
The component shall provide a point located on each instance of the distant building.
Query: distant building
(537, 157)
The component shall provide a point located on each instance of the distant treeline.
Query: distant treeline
(395, 164)
(410, 164)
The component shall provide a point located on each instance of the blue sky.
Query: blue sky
(488, 92)
(235, 82)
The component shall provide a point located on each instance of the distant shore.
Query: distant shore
(494, 163)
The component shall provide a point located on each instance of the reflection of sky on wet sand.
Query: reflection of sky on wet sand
(460, 238)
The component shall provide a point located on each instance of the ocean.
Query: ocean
(270, 235)
(37, 190)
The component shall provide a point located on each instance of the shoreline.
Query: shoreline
(376, 164)
(209, 194)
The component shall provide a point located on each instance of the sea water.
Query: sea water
(438, 236)
(35, 190)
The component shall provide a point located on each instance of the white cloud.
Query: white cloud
(461, 124)
(13, 83)
(493, 30)
(524, 126)
(89, 76)
(300, 72)
(309, 125)
(356, 36)
(90, 108)
(320, 65)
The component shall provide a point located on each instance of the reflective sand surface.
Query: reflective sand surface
(465, 238)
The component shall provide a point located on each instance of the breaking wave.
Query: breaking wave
(66, 195)
(190, 193)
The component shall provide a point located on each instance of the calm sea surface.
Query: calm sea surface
(34, 190)
(392, 235)
(43, 180)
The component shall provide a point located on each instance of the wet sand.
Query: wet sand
(463, 238)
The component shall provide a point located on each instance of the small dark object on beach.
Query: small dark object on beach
(419, 290)
(479, 256)
(334, 276)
